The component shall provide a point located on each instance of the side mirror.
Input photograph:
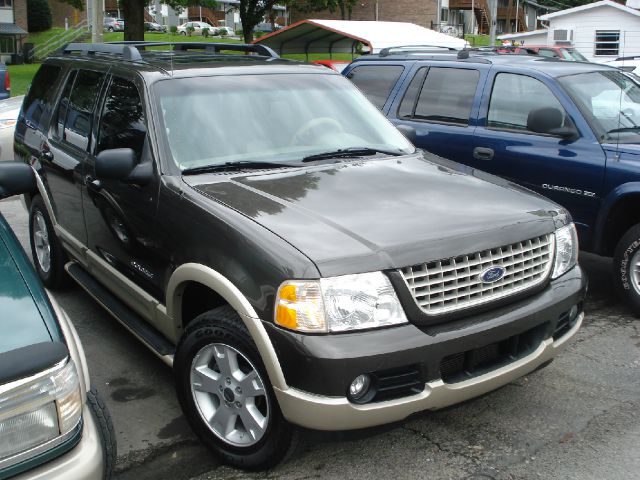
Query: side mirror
(115, 163)
(549, 120)
(409, 132)
(16, 178)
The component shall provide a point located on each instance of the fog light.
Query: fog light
(359, 386)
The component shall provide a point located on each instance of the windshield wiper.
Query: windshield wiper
(239, 165)
(351, 152)
(624, 129)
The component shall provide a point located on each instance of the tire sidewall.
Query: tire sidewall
(258, 456)
(51, 278)
(628, 246)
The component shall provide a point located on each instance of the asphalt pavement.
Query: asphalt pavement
(576, 419)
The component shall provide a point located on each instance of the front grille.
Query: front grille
(444, 286)
(471, 363)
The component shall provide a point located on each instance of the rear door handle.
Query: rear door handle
(482, 153)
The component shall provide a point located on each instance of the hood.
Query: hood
(21, 322)
(630, 150)
(379, 214)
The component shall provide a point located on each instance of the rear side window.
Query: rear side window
(41, 95)
(376, 81)
(545, 52)
(123, 122)
(446, 96)
(76, 108)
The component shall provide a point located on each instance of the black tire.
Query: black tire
(105, 428)
(55, 277)
(110, 29)
(183, 33)
(627, 284)
(223, 326)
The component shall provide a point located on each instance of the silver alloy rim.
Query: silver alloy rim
(41, 242)
(635, 272)
(230, 395)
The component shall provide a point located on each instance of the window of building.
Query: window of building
(6, 3)
(446, 96)
(607, 42)
(376, 82)
(123, 122)
(7, 44)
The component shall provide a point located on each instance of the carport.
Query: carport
(344, 36)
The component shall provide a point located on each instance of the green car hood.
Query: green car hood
(26, 316)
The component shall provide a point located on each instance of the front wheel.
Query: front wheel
(627, 267)
(225, 393)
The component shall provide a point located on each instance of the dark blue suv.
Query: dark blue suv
(568, 130)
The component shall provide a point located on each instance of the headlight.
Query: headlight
(566, 250)
(338, 304)
(35, 411)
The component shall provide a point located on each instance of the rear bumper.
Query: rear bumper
(326, 365)
(85, 460)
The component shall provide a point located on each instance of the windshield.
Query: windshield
(610, 101)
(268, 118)
(573, 55)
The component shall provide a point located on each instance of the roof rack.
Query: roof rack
(131, 50)
(414, 49)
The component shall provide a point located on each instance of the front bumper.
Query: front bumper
(318, 369)
(85, 460)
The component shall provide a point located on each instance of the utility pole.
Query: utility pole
(97, 20)
(494, 22)
(517, 13)
(473, 17)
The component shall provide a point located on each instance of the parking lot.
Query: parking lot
(578, 418)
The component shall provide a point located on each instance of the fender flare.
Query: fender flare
(620, 192)
(195, 272)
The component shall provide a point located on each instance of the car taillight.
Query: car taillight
(7, 81)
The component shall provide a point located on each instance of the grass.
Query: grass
(43, 37)
(21, 76)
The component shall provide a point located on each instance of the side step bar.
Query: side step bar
(153, 339)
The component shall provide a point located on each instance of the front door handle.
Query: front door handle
(482, 153)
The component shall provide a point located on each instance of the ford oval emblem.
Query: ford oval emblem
(492, 274)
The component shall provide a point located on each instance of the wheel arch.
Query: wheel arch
(194, 273)
(616, 216)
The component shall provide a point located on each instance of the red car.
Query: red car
(337, 65)
(563, 53)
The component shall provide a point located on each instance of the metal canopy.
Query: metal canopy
(343, 36)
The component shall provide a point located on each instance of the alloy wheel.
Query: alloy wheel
(41, 242)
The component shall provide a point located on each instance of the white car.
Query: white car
(197, 28)
(9, 110)
(626, 64)
(228, 31)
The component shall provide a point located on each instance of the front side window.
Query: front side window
(446, 96)
(274, 118)
(122, 123)
(514, 98)
(607, 42)
(376, 81)
(547, 52)
(76, 111)
(610, 101)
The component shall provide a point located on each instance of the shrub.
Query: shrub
(173, 29)
(205, 32)
(190, 30)
(38, 15)
(223, 32)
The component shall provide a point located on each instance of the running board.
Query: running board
(133, 322)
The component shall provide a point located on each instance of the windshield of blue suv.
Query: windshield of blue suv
(280, 118)
(610, 101)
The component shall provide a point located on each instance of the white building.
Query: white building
(600, 31)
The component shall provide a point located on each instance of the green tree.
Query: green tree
(344, 6)
(38, 15)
